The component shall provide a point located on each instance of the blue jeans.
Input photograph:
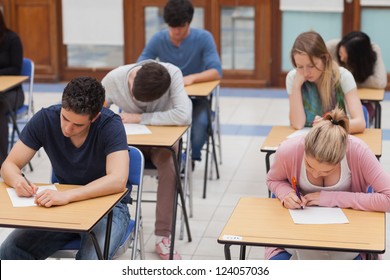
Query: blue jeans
(199, 129)
(286, 256)
(25, 244)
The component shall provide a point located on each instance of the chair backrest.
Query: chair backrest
(366, 116)
(28, 69)
(133, 234)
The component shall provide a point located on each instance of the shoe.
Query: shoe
(163, 247)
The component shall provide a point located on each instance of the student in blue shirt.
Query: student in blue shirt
(86, 145)
(194, 52)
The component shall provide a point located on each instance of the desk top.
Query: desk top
(371, 94)
(78, 216)
(161, 136)
(8, 82)
(265, 222)
(201, 89)
(372, 136)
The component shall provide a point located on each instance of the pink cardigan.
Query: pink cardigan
(366, 171)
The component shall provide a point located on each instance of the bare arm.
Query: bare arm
(18, 157)
(117, 168)
(205, 76)
(357, 124)
(297, 112)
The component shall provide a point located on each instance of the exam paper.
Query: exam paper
(134, 128)
(318, 215)
(18, 201)
(302, 131)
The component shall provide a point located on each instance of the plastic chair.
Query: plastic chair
(134, 233)
(25, 112)
(366, 116)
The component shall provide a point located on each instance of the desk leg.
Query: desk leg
(103, 256)
(378, 114)
(108, 235)
(226, 250)
(96, 244)
(242, 252)
(210, 134)
(268, 166)
(179, 192)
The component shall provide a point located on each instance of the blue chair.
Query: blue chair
(24, 112)
(366, 116)
(134, 233)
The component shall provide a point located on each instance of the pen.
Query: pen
(29, 183)
(27, 180)
(296, 188)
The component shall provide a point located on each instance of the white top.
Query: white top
(343, 184)
(347, 81)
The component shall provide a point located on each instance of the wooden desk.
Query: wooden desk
(375, 96)
(8, 82)
(166, 137)
(78, 217)
(372, 136)
(203, 91)
(265, 222)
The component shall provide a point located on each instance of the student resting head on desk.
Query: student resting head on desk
(153, 93)
(369, 69)
(332, 169)
(317, 85)
(86, 145)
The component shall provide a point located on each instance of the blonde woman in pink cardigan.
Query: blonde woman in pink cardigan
(332, 169)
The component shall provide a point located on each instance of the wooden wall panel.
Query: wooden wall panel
(36, 23)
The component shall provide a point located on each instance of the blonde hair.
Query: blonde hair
(312, 44)
(327, 140)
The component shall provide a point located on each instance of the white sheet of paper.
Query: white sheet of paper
(302, 131)
(134, 128)
(18, 201)
(318, 215)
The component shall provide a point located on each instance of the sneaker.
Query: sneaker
(163, 247)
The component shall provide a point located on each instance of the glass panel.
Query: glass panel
(237, 37)
(90, 40)
(94, 56)
(329, 25)
(374, 28)
(154, 20)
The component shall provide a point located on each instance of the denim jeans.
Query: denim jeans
(199, 129)
(286, 256)
(25, 244)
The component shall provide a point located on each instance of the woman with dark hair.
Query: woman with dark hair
(11, 60)
(368, 69)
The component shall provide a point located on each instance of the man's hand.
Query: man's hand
(130, 118)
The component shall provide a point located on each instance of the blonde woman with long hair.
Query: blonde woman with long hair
(332, 169)
(317, 85)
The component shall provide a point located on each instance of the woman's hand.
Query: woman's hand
(292, 201)
(312, 199)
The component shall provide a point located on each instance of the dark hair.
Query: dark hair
(151, 82)
(3, 27)
(361, 56)
(178, 12)
(84, 95)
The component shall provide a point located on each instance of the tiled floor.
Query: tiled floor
(246, 117)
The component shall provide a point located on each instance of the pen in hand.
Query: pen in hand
(296, 189)
(29, 183)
